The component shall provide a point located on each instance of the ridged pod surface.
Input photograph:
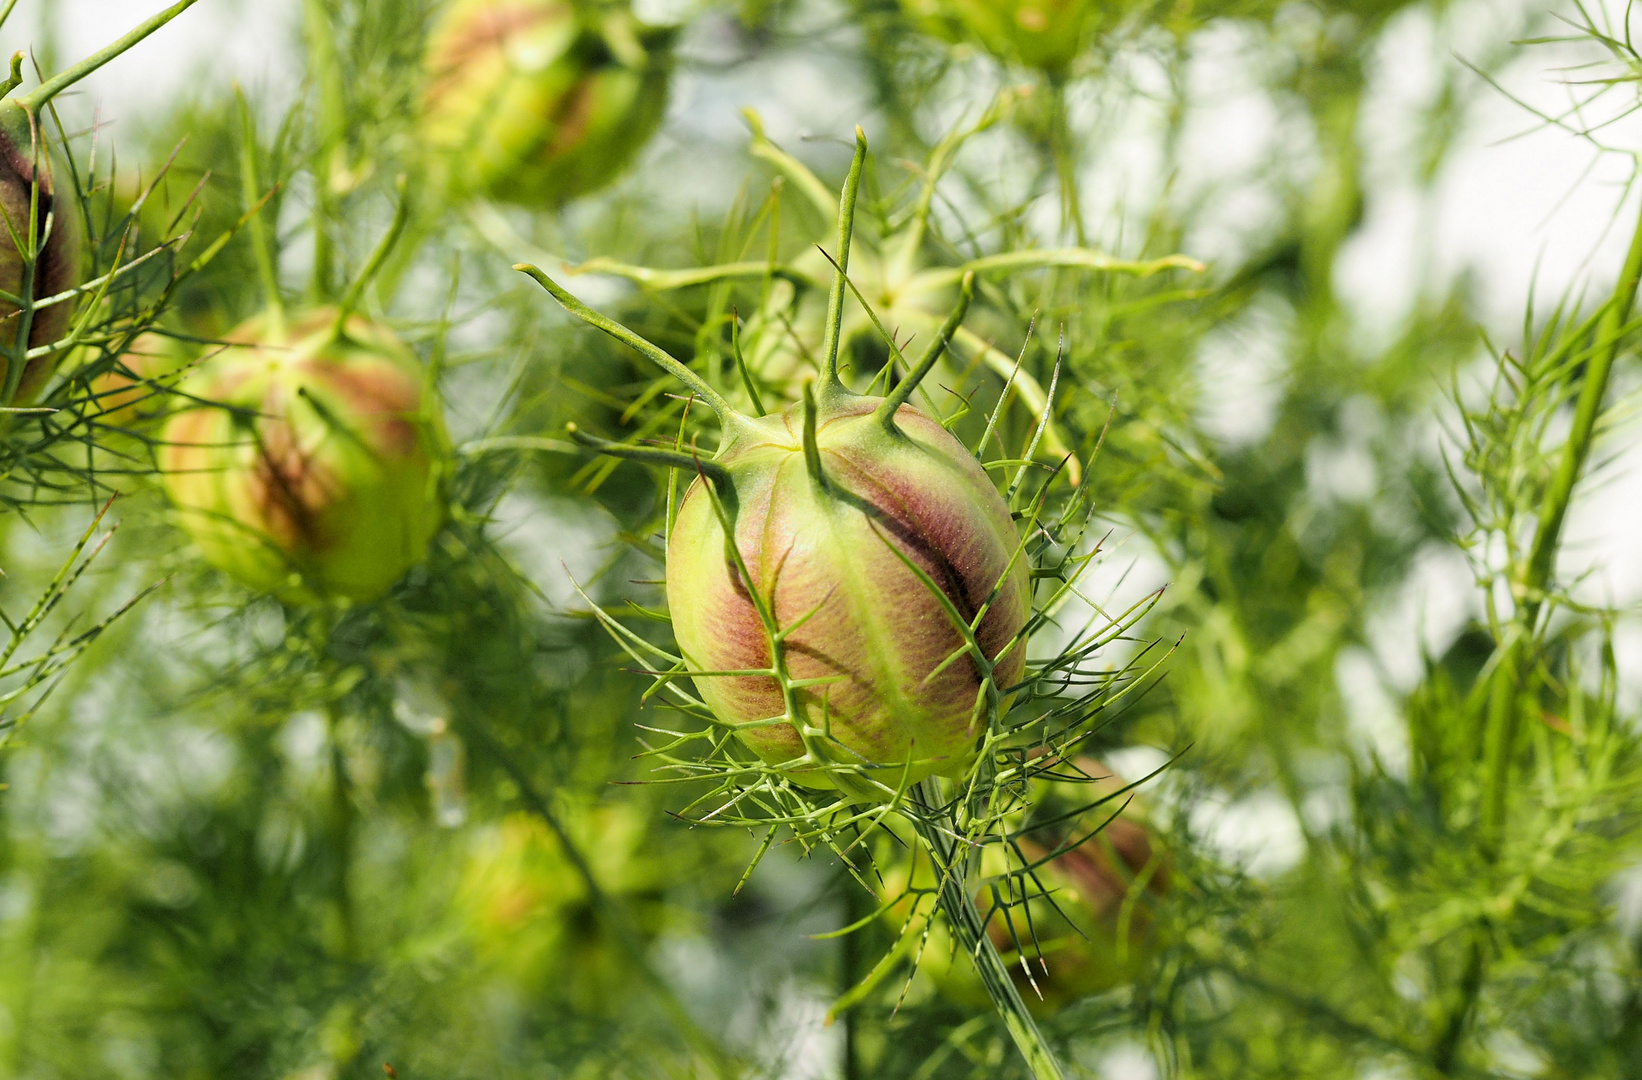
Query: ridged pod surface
(827, 555)
(310, 464)
(57, 266)
(528, 102)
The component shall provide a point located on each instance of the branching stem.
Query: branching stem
(1500, 732)
(968, 927)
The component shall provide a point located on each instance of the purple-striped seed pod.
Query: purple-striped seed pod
(132, 394)
(1086, 919)
(830, 555)
(847, 587)
(307, 460)
(537, 102)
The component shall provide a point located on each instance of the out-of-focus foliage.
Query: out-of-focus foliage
(247, 837)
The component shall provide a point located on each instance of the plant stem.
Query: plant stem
(1504, 708)
(1445, 1052)
(64, 79)
(332, 125)
(849, 963)
(1500, 732)
(937, 829)
(342, 832)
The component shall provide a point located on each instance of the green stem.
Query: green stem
(1589, 408)
(885, 413)
(662, 359)
(262, 245)
(356, 291)
(1445, 1052)
(342, 833)
(835, 298)
(607, 907)
(937, 830)
(850, 971)
(1501, 729)
(69, 76)
(651, 455)
(322, 59)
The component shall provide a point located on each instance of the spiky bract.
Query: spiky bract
(1081, 920)
(534, 102)
(830, 561)
(131, 394)
(308, 458)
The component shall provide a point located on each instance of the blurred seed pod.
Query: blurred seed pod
(536, 102)
(29, 191)
(1044, 34)
(1084, 921)
(132, 395)
(528, 910)
(309, 460)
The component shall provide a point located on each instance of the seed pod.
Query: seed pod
(829, 534)
(530, 102)
(129, 395)
(857, 552)
(528, 912)
(1043, 34)
(311, 464)
(26, 183)
(1085, 920)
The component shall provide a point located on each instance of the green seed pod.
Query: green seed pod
(1043, 34)
(528, 912)
(127, 396)
(829, 534)
(311, 464)
(855, 551)
(26, 183)
(530, 102)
